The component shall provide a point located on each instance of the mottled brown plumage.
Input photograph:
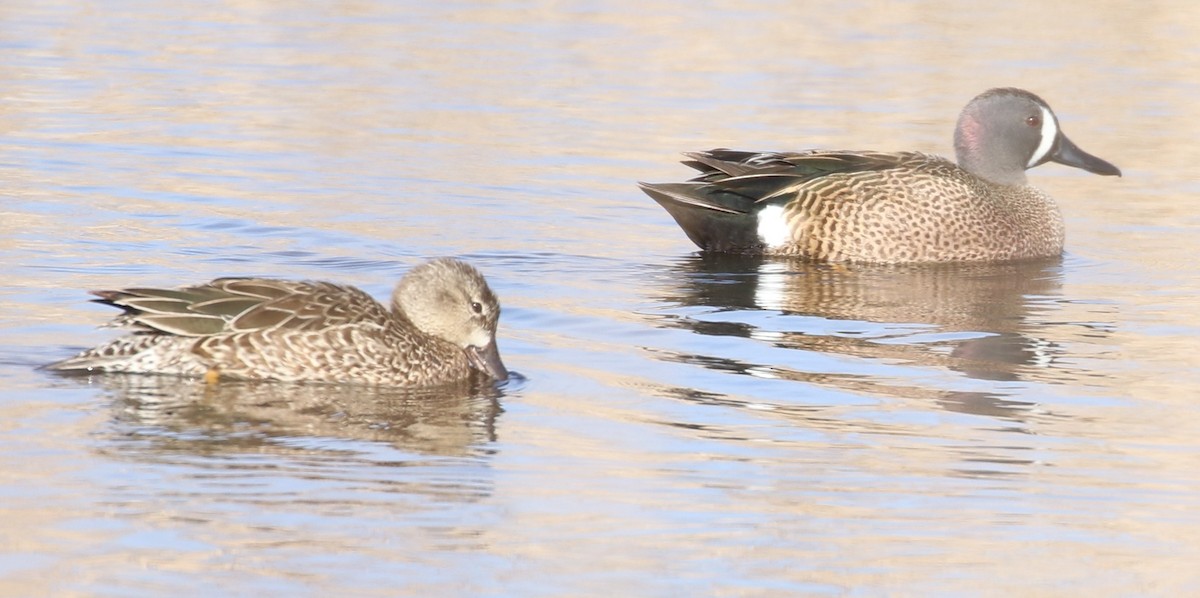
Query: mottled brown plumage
(440, 328)
(862, 206)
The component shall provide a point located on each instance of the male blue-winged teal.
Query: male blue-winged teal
(864, 206)
(441, 327)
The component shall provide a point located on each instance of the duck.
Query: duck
(440, 329)
(889, 207)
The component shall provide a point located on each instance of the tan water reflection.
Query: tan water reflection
(922, 307)
(690, 426)
(236, 417)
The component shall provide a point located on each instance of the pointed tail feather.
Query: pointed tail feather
(688, 194)
(711, 224)
(118, 355)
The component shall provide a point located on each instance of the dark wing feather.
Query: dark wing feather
(263, 288)
(225, 306)
(730, 178)
(183, 325)
(809, 164)
(162, 310)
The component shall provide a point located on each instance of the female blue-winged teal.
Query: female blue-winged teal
(889, 207)
(441, 327)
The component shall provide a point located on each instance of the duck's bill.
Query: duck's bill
(1066, 152)
(487, 360)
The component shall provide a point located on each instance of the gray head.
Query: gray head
(1005, 131)
(450, 299)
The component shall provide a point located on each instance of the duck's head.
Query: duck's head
(450, 299)
(1005, 131)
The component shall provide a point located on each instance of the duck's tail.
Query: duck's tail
(713, 219)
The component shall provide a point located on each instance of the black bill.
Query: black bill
(1066, 152)
(487, 360)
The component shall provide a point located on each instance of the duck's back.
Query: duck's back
(247, 328)
(858, 206)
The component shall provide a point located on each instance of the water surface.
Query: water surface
(684, 424)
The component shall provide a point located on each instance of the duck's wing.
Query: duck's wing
(720, 165)
(231, 305)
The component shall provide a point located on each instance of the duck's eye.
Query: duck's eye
(1034, 121)
(477, 307)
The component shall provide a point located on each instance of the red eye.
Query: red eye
(1034, 121)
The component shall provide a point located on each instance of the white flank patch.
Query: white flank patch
(1049, 134)
(772, 227)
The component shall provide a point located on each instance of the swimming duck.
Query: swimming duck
(889, 207)
(441, 328)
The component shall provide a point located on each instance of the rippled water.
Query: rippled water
(682, 424)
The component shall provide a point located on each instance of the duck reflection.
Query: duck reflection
(172, 414)
(977, 319)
